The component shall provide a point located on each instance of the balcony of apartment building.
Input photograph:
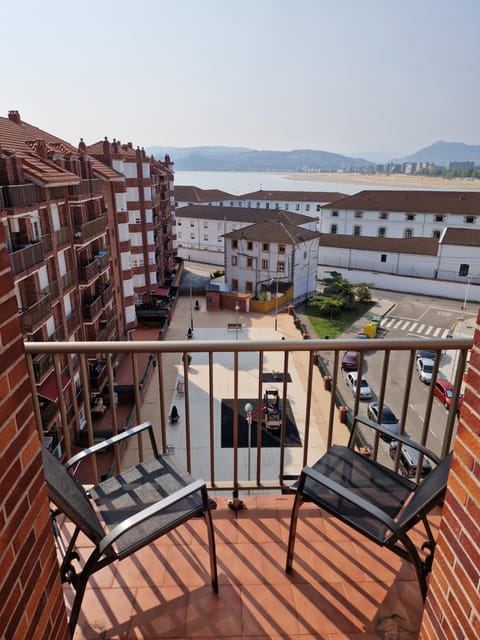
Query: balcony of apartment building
(85, 189)
(87, 270)
(342, 585)
(27, 252)
(68, 279)
(73, 321)
(62, 236)
(32, 315)
(21, 195)
(92, 306)
(85, 231)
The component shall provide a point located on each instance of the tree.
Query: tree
(336, 286)
(362, 291)
(326, 306)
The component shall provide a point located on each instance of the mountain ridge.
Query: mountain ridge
(223, 158)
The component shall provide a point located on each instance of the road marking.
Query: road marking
(446, 333)
(405, 325)
(421, 328)
(397, 324)
(412, 328)
(429, 330)
(436, 332)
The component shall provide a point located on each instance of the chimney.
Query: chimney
(14, 116)
(41, 148)
(81, 145)
(107, 156)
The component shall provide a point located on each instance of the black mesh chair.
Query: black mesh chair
(373, 499)
(135, 507)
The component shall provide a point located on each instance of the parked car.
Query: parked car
(431, 354)
(388, 419)
(425, 369)
(350, 360)
(409, 461)
(444, 392)
(352, 381)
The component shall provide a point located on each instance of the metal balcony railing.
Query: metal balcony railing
(26, 257)
(90, 229)
(36, 312)
(237, 370)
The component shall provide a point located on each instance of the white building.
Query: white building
(401, 214)
(272, 251)
(201, 228)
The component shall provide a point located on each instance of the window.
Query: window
(408, 233)
(249, 204)
(383, 215)
(358, 214)
(265, 265)
(267, 205)
(192, 236)
(277, 205)
(286, 206)
(383, 257)
(357, 230)
(318, 207)
(231, 203)
(281, 267)
(248, 287)
(179, 223)
(464, 269)
(281, 248)
(469, 219)
(205, 237)
(258, 205)
(436, 234)
(205, 224)
(297, 207)
(334, 214)
(307, 207)
(219, 239)
(410, 216)
(382, 232)
(192, 224)
(234, 284)
(250, 263)
(234, 244)
(439, 218)
(234, 261)
(334, 228)
(249, 245)
(265, 246)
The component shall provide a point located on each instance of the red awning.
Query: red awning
(48, 388)
(161, 292)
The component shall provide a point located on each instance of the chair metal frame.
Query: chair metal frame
(415, 500)
(71, 499)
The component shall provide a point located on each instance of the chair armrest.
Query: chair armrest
(150, 511)
(128, 433)
(400, 437)
(358, 501)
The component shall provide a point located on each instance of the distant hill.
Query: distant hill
(441, 153)
(243, 159)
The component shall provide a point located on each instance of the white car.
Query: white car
(352, 381)
(425, 369)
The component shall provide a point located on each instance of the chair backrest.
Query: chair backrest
(70, 497)
(428, 494)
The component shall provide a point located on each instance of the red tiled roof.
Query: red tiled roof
(273, 230)
(419, 246)
(187, 193)
(241, 214)
(455, 202)
(465, 237)
(305, 196)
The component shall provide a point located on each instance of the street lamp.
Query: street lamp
(248, 410)
(237, 309)
(276, 301)
(191, 309)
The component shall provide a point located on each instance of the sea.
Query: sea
(240, 182)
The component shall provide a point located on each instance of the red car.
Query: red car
(350, 360)
(444, 392)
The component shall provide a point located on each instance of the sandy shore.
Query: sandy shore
(397, 181)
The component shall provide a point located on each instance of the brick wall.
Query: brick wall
(452, 609)
(31, 597)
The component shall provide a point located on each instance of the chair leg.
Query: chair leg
(211, 542)
(293, 530)
(77, 603)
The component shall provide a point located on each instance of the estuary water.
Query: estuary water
(240, 182)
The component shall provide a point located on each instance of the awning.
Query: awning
(161, 292)
(48, 388)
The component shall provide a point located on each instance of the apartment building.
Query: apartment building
(401, 214)
(309, 203)
(145, 217)
(271, 256)
(81, 254)
(201, 228)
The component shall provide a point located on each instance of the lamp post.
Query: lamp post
(248, 410)
(237, 309)
(465, 300)
(191, 309)
(276, 300)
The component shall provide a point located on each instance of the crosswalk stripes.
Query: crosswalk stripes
(411, 327)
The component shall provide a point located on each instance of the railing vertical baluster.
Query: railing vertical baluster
(161, 400)
(138, 404)
(84, 379)
(259, 416)
(211, 422)
(108, 358)
(187, 411)
(308, 408)
(63, 407)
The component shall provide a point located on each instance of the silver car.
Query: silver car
(364, 389)
(425, 369)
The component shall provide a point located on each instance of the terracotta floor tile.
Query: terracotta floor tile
(159, 613)
(214, 616)
(144, 568)
(187, 565)
(240, 564)
(269, 609)
(107, 612)
(323, 608)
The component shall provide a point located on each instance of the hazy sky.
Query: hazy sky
(338, 75)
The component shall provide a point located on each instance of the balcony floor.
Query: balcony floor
(342, 586)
